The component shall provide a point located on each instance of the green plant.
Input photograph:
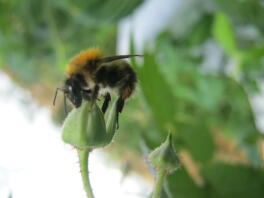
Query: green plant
(206, 105)
(85, 129)
(165, 161)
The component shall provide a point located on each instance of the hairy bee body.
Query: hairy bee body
(89, 75)
(85, 61)
(118, 76)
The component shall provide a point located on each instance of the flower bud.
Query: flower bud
(164, 157)
(85, 127)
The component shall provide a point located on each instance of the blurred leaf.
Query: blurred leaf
(243, 11)
(157, 92)
(197, 140)
(252, 68)
(180, 185)
(96, 12)
(238, 121)
(224, 34)
(222, 181)
(241, 115)
(234, 181)
(199, 33)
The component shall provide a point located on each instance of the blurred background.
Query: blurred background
(201, 79)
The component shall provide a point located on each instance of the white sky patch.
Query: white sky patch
(34, 161)
(145, 23)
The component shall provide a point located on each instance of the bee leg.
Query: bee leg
(119, 108)
(120, 104)
(117, 121)
(94, 95)
(107, 99)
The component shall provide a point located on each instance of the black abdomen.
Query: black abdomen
(117, 74)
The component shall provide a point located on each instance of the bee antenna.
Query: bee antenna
(56, 93)
(65, 106)
(55, 96)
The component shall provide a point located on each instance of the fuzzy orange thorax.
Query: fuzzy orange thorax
(79, 61)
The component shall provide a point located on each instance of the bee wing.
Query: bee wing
(118, 57)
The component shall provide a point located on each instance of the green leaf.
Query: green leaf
(243, 12)
(238, 119)
(180, 185)
(227, 181)
(157, 92)
(222, 181)
(224, 34)
(198, 140)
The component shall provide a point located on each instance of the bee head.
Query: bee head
(73, 91)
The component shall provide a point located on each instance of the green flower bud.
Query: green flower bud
(85, 127)
(164, 157)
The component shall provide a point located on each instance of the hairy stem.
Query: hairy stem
(83, 159)
(159, 184)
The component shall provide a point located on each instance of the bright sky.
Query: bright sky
(34, 162)
(145, 23)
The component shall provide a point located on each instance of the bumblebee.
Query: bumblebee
(89, 75)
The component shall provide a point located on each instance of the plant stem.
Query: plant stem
(83, 160)
(159, 184)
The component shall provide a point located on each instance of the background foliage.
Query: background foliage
(206, 107)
